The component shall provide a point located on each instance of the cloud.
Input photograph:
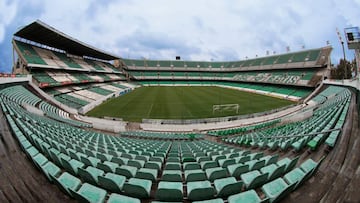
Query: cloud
(7, 14)
(196, 30)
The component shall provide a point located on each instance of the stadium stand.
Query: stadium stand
(35, 55)
(263, 161)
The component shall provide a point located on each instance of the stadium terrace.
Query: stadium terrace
(82, 124)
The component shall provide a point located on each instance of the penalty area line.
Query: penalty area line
(150, 109)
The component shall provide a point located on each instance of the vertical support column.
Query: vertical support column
(13, 58)
(357, 60)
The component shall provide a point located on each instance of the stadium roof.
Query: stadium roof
(44, 34)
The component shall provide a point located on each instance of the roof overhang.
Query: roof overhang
(42, 33)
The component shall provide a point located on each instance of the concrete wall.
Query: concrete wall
(104, 124)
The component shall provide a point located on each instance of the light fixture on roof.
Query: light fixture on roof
(287, 48)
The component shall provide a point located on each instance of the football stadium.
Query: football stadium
(82, 124)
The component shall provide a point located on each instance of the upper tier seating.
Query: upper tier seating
(47, 58)
(304, 58)
(291, 77)
(53, 78)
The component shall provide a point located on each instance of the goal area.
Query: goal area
(220, 108)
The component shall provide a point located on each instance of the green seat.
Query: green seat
(270, 159)
(90, 161)
(256, 155)
(218, 157)
(127, 156)
(315, 142)
(173, 160)
(216, 173)
(195, 175)
(72, 166)
(31, 151)
(157, 159)
(186, 159)
(273, 170)
(120, 160)
(290, 163)
(108, 166)
(273, 144)
(136, 187)
(249, 196)
(200, 190)
(67, 182)
(242, 159)
(89, 152)
(174, 155)
(200, 159)
(277, 189)
(227, 186)
(116, 198)
(153, 165)
(169, 191)
(331, 139)
(147, 173)
(232, 155)
(25, 144)
(90, 193)
(285, 144)
(112, 182)
(103, 156)
(308, 165)
(171, 176)
(208, 164)
(136, 163)
(55, 155)
(218, 200)
(39, 160)
(254, 179)
(191, 166)
(127, 171)
(172, 166)
(236, 170)
(90, 174)
(255, 164)
(50, 170)
(226, 162)
(299, 144)
(76, 155)
(294, 176)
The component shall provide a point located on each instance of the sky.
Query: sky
(206, 30)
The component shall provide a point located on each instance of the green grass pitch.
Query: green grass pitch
(183, 103)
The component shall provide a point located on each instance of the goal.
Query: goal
(220, 108)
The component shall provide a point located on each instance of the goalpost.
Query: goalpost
(225, 108)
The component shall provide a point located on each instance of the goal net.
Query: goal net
(220, 108)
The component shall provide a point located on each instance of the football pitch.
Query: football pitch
(177, 102)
